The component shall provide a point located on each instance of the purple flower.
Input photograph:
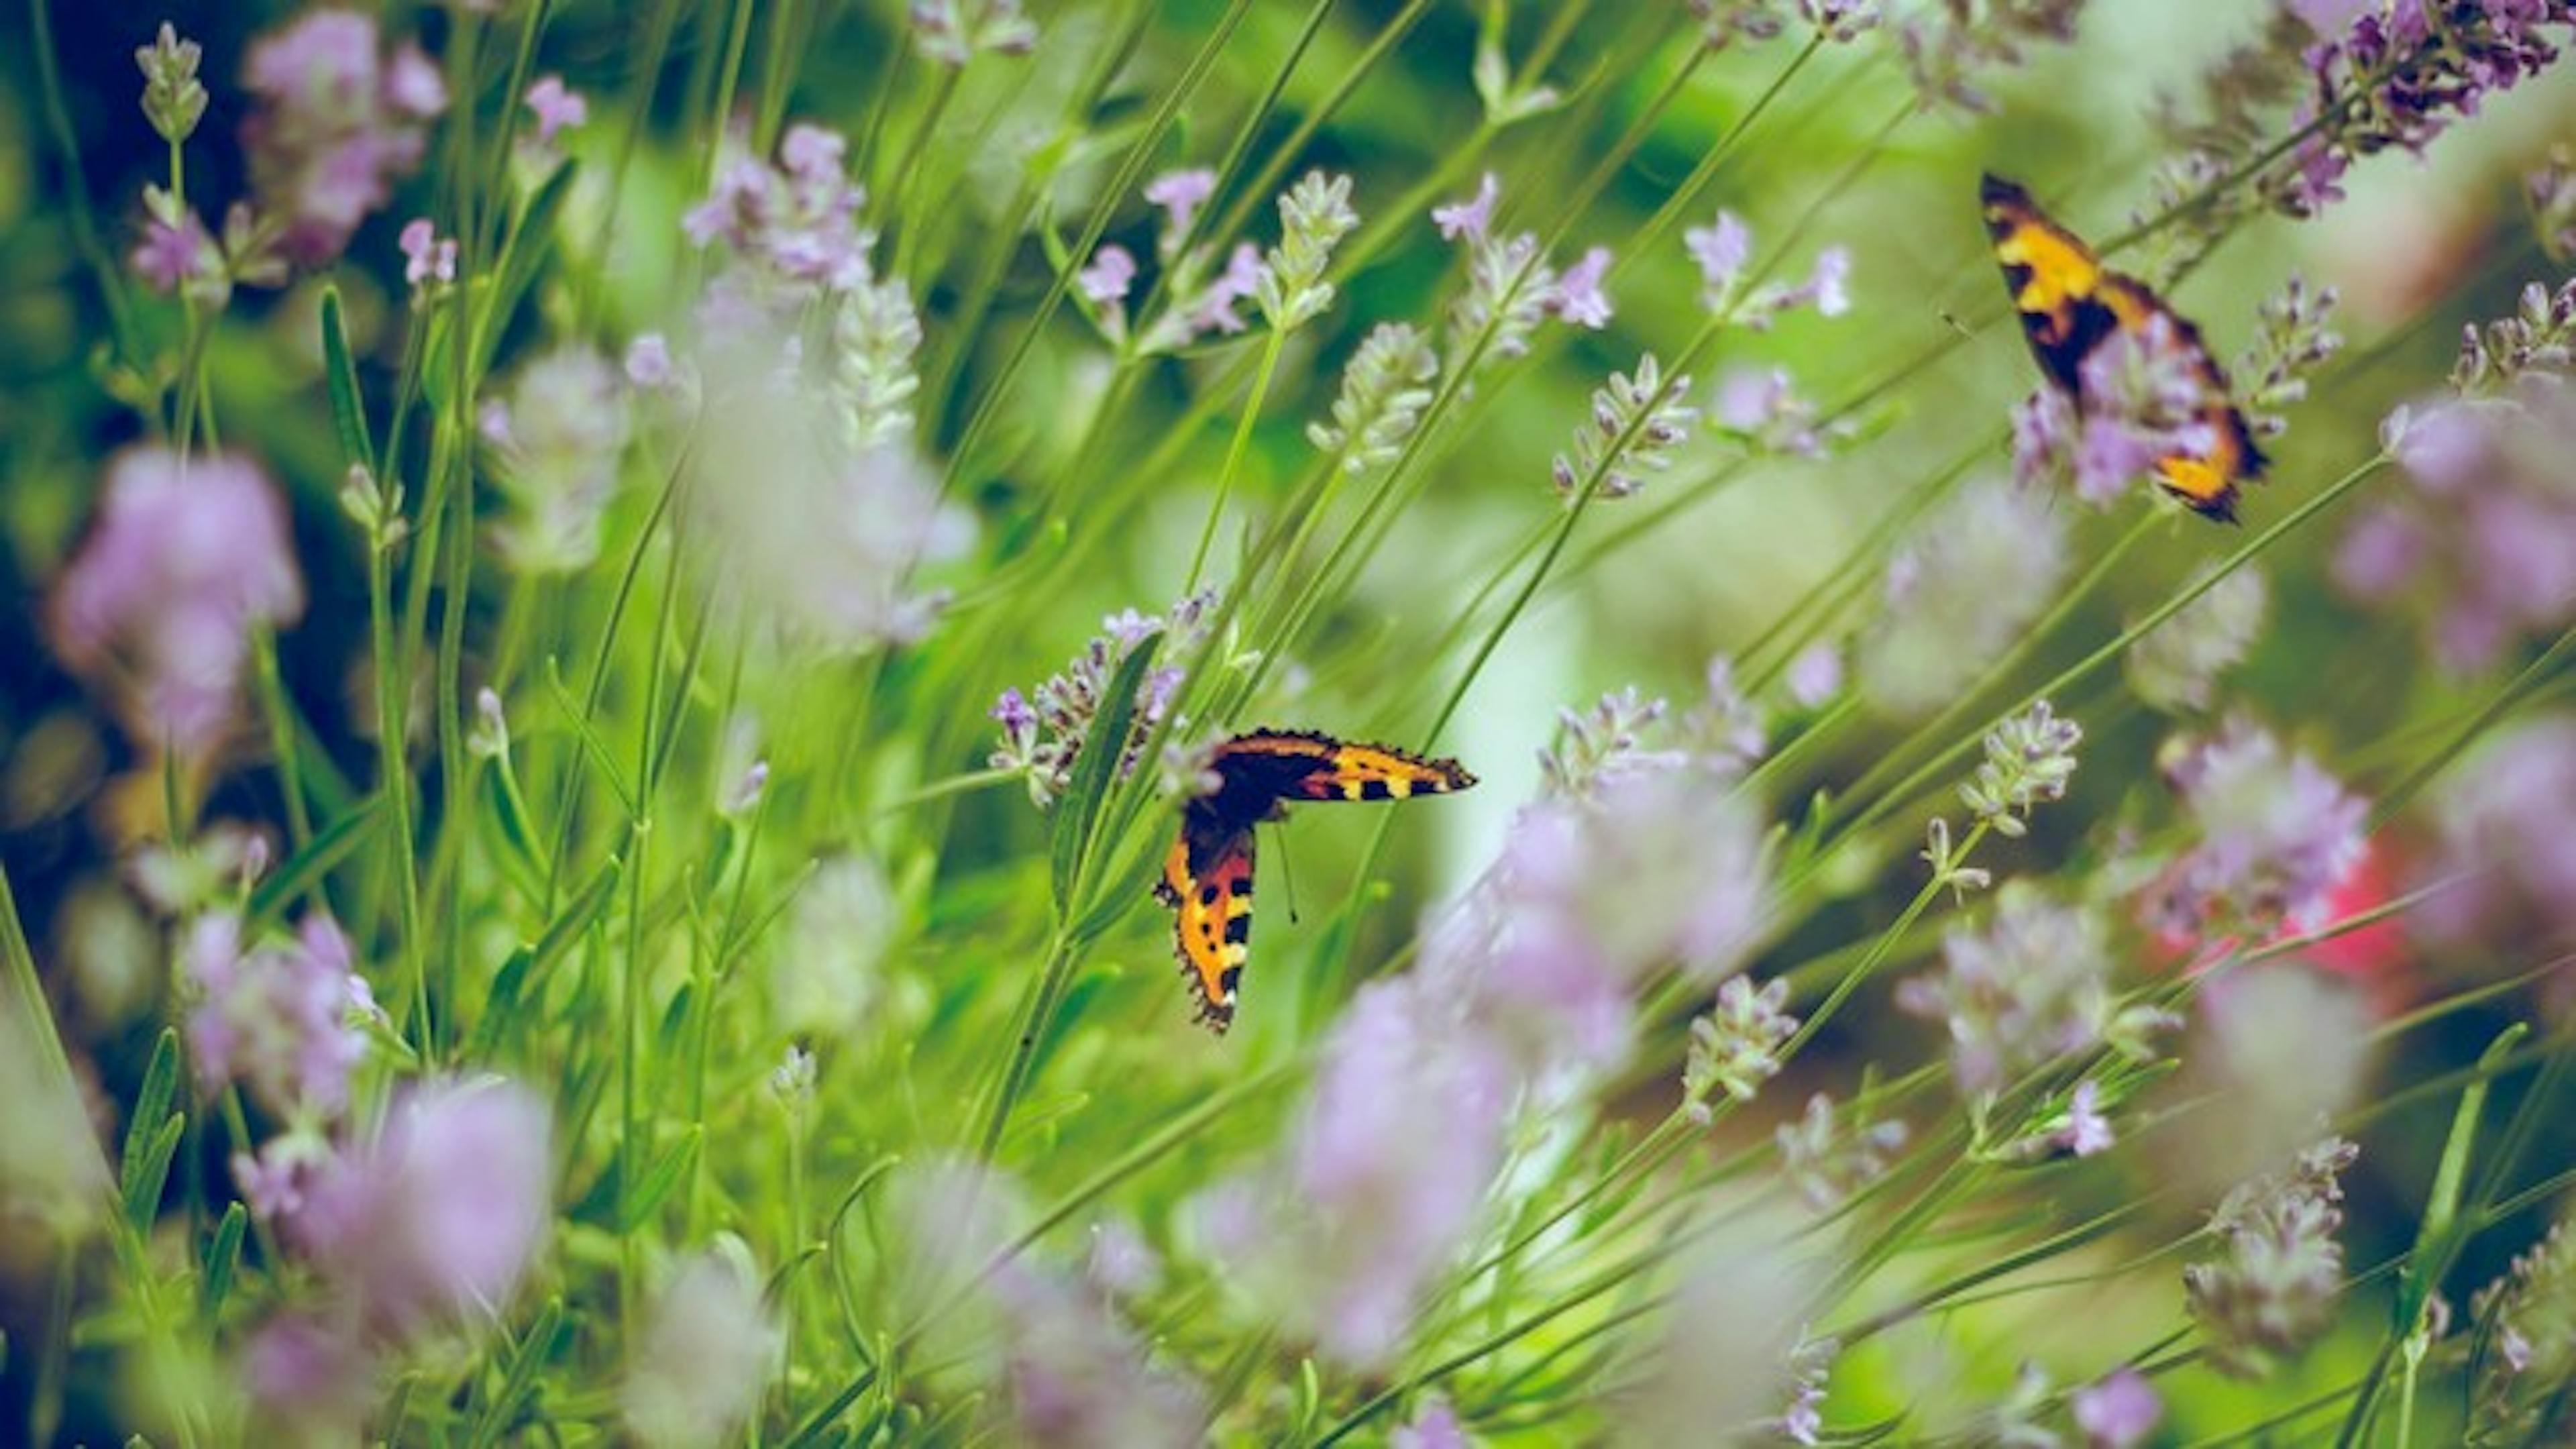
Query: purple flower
(2078, 1131)
(429, 258)
(648, 362)
(797, 222)
(1107, 279)
(186, 558)
(1180, 194)
(2277, 835)
(1069, 1371)
(2118, 1411)
(1832, 1155)
(1579, 298)
(335, 123)
(177, 254)
(951, 32)
(1394, 1153)
(275, 1018)
(1722, 250)
(1761, 408)
(2488, 535)
(1816, 675)
(558, 459)
(2398, 75)
(1736, 1046)
(2032, 985)
(1468, 220)
(434, 1220)
(1214, 309)
(1078, 1378)
(2506, 853)
(556, 106)
(1434, 1426)
(2272, 1290)
(1826, 286)
(310, 1381)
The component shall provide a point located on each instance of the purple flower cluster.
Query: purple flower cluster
(2529, 1318)
(1723, 251)
(1637, 420)
(2277, 835)
(1510, 287)
(1068, 1370)
(185, 560)
(1830, 1155)
(279, 1019)
(432, 1221)
(2486, 534)
(797, 221)
(2031, 986)
(1040, 741)
(2506, 857)
(2273, 1288)
(1638, 860)
(1947, 46)
(557, 442)
(2400, 72)
(338, 120)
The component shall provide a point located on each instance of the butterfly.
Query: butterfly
(2071, 304)
(1207, 879)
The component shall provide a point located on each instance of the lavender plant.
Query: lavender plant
(574, 869)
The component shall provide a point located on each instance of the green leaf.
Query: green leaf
(1095, 769)
(151, 1109)
(658, 1180)
(534, 237)
(320, 855)
(223, 1257)
(521, 855)
(348, 415)
(536, 1348)
(527, 966)
(143, 1187)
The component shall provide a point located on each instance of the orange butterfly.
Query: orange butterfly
(1207, 879)
(2070, 304)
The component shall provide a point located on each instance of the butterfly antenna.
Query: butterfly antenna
(1287, 872)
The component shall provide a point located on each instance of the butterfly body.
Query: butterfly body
(2070, 305)
(1207, 876)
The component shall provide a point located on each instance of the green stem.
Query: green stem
(1234, 457)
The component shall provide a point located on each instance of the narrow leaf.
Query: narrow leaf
(658, 1181)
(1095, 769)
(348, 415)
(151, 1109)
(223, 1257)
(322, 854)
(143, 1188)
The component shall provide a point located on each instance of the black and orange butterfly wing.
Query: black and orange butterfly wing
(1302, 765)
(1207, 881)
(2070, 303)
(2053, 278)
(1207, 877)
(2207, 481)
